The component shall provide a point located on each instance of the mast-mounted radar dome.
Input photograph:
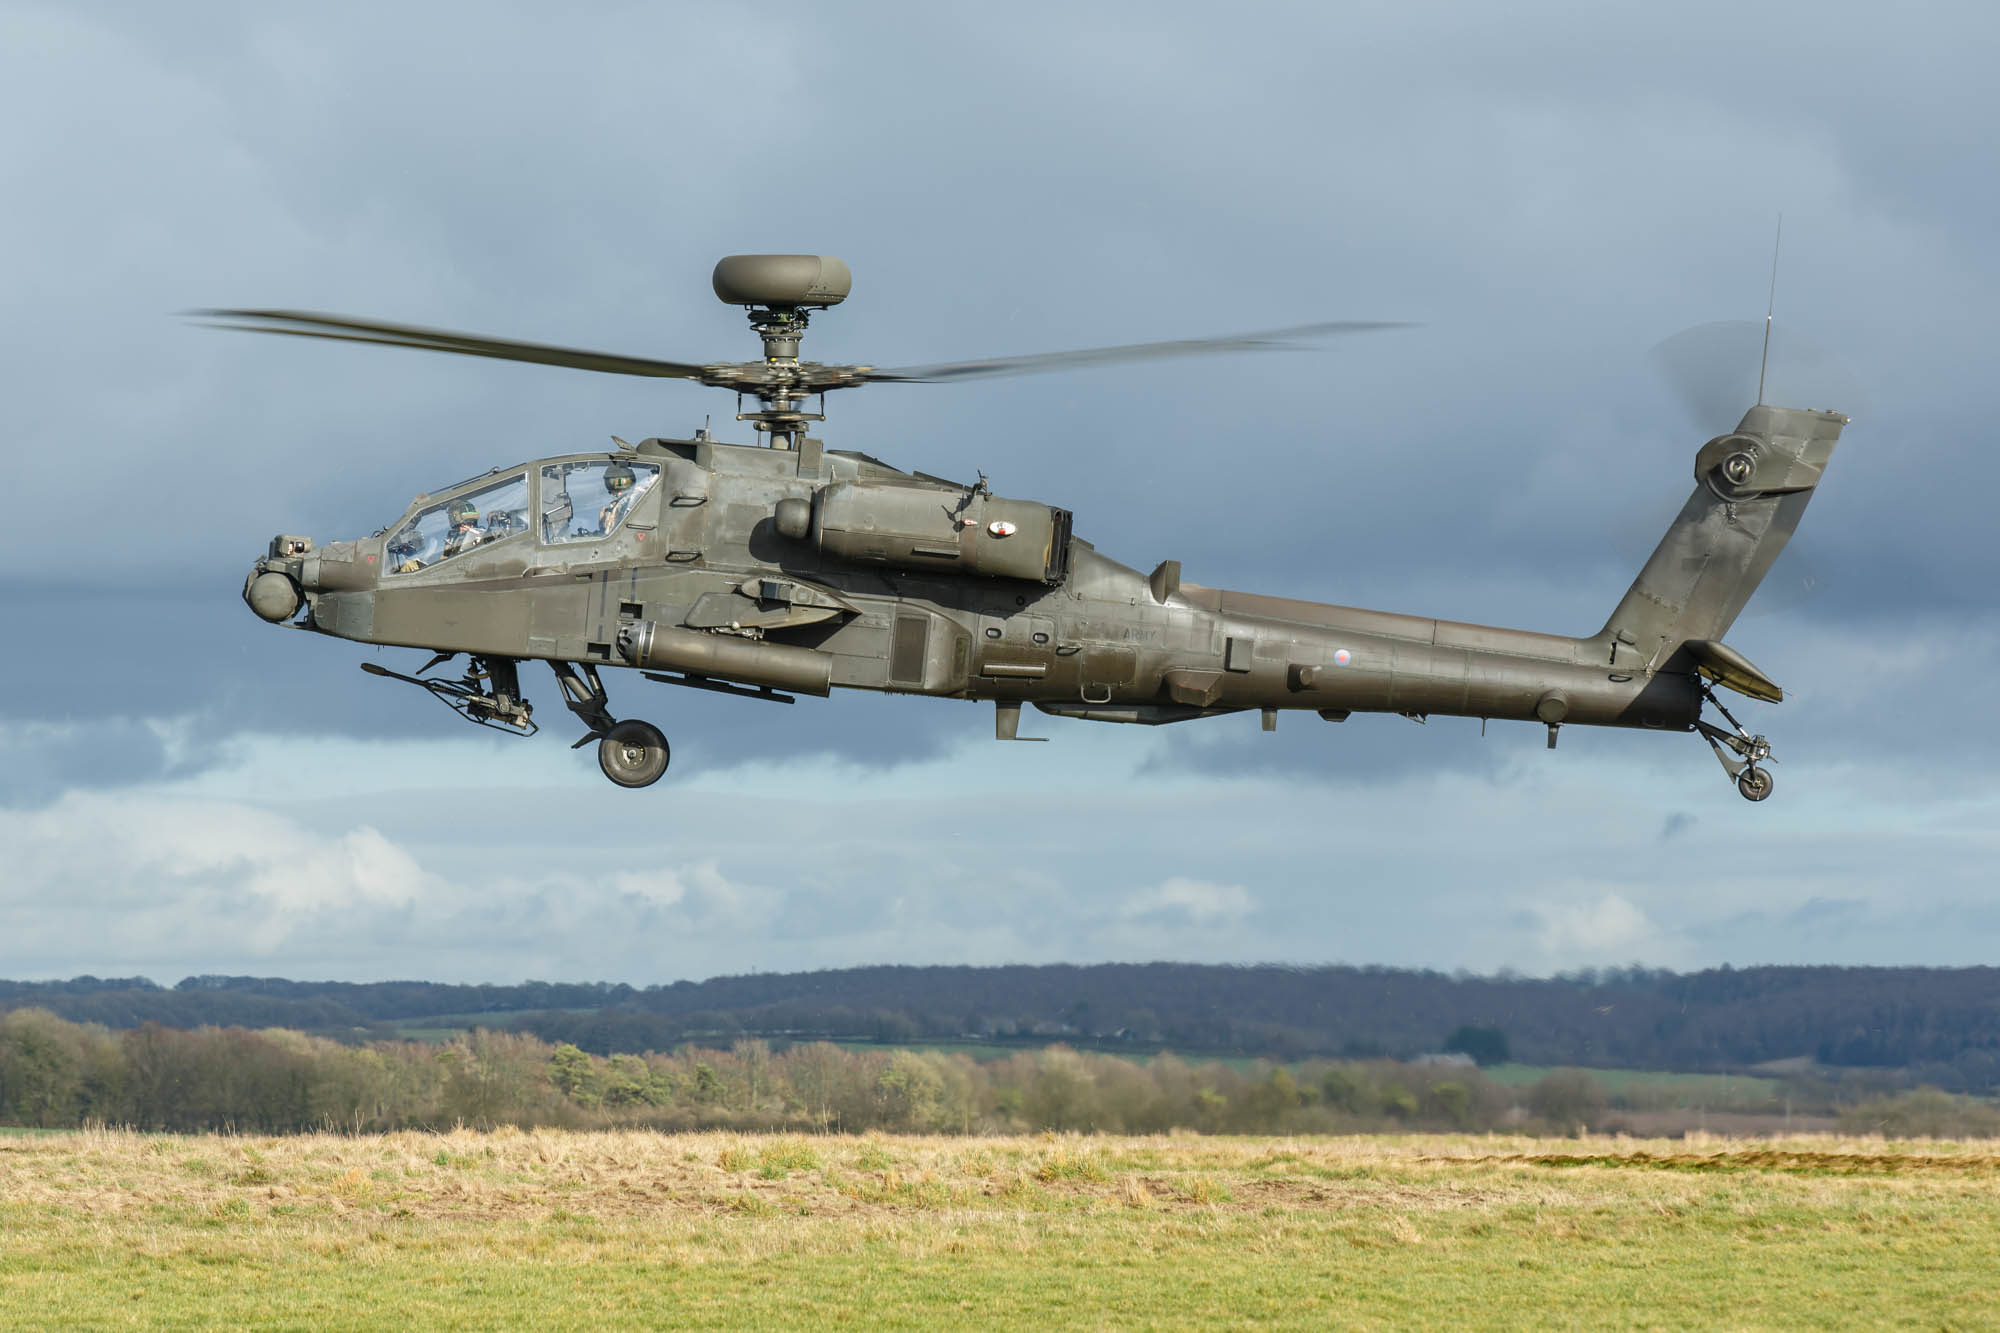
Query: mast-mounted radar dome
(781, 282)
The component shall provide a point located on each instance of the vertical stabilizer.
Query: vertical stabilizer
(1752, 486)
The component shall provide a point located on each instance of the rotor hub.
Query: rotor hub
(777, 291)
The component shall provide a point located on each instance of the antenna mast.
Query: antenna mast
(1770, 307)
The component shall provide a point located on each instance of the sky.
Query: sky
(1547, 191)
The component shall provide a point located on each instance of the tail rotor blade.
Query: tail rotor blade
(1713, 369)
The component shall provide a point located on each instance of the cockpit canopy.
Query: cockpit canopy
(586, 499)
(575, 500)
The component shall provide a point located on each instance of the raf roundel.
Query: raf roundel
(1000, 527)
(1341, 657)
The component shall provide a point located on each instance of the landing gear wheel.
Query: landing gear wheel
(633, 754)
(1755, 783)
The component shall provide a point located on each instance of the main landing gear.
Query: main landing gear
(631, 753)
(1753, 781)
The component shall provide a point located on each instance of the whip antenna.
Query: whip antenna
(1770, 306)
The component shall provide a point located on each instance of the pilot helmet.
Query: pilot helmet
(617, 478)
(463, 511)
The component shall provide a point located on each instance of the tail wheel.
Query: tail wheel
(633, 754)
(1754, 783)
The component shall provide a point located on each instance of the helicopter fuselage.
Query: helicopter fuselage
(724, 569)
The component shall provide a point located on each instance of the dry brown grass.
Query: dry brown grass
(512, 1174)
(476, 1229)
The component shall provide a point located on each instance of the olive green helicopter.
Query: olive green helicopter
(781, 568)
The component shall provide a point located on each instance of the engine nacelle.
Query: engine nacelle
(931, 528)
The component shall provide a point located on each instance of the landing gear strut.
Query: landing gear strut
(632, 754)
(1753, 780)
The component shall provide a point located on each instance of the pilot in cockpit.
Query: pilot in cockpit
(618, 481)
(465, 533)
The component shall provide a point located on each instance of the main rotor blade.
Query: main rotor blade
(341, 328)
(1266, 341)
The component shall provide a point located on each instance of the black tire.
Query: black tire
(633, 754)
(1755, 783)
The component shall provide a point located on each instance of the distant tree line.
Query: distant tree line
(1937, 1025)
(57, 1074)
(313, 1006)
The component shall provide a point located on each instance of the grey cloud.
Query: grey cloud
(1827, 913)
(316, 861)
(1551, 194)
(1109, 252)
(41, 760)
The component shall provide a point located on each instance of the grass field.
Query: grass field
(1658, 1087)
(558, 1230)
(444, 1027)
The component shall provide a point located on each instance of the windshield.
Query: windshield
(452, 527)
(582, 501)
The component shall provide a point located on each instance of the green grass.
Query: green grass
(436, 1036)
(982, 1051)
(986, 1051)
(562, 1231)
(1662, 1088)
(1655, 1087)
(443, 1027)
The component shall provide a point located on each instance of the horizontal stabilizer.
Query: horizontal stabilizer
(1732, 670)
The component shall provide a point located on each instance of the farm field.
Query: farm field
(1723, 1091)
(443, 1027)
(554, 1230)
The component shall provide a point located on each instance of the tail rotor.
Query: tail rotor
(1714, 370)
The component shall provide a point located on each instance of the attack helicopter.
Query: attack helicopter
(782, 568)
